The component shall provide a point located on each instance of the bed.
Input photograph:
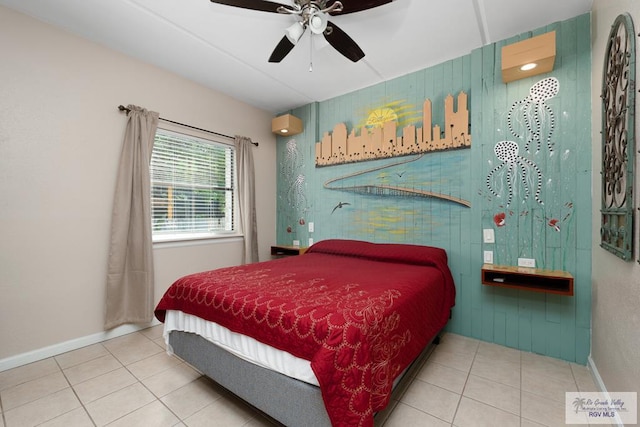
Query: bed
(318, 339)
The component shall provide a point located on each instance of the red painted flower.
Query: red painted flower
(499, 219)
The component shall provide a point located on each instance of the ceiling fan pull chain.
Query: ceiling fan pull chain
(311, 52)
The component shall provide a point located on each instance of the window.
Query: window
(192, 187)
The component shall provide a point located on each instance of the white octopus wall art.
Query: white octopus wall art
(511, 167)
(296, 192)
(532, 121)
(529, 118)
(295, 196)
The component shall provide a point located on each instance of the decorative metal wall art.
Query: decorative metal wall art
(618, 139)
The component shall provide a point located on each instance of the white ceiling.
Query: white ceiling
(227, 48)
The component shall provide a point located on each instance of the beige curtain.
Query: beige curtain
(130, 271)
(247, 198)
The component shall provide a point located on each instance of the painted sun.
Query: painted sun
(380, 116)
(399, 111)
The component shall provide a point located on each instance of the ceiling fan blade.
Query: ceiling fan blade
(343, 43)
(261, 5)
(282, 49)
(351, 6)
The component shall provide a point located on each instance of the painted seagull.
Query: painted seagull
(340, 205)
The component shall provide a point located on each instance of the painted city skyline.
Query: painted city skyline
(340, 147)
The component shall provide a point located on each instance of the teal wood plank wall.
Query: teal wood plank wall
(556, 232)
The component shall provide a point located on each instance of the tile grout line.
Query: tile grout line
(122, 365)
(520, 400)
(256, 414)
(437, 386)
(159, 398)
(72, 387)
(138, 380)
(4, 420)
(73, 390)
(475, 353)
(61, 371)
(426, 382)
(413, 379)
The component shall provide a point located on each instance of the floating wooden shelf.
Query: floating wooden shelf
(532, 279)
(278, 251)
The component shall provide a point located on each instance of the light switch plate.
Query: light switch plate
(311, 227)
(488, 257)
(488, 235)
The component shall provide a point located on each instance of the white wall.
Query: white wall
(616, 284)
(60, 139)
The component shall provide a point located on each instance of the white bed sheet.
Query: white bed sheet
(240, 345)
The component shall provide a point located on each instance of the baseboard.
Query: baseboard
(74, 344)
(600, 384)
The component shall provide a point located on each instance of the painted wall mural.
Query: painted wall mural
(293, 194)
(535, 114)
(526, 176)
(389, 194)
(517, 176)
(379, 140)
(385, 188)
(512, 164)
(400, 111)
(528, 120)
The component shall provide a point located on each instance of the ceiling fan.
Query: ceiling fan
(312, 14)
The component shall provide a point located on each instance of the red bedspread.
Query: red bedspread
(359, 312)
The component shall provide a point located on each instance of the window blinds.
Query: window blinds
(192, 181)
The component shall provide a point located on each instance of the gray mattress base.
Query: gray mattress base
(287, 400)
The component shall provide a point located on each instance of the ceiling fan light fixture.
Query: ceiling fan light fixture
(294, 32)
(315, 15)
(318, 23)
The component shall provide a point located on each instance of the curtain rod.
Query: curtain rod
(123, 108)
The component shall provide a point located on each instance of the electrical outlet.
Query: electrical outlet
(296, 243)
(488, 257)
(526, 262)
(488, 235)
(311, 227)
(310, 241)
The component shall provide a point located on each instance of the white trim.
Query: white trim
(74, 344)
(600, 384)
(159, 244)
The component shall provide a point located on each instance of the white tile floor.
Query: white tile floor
(131, 381)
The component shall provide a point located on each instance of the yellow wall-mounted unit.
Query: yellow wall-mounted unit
(286, 124)
(529, 57)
